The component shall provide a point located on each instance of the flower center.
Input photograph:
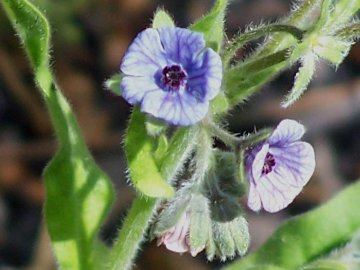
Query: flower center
(173, 76)
(268, 164)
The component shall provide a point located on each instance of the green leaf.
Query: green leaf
(162, 18)
(349, 32)
(113, 84)
(180, 147)
(254, 33)
(325, 12)
(326, 264)
(154, 126)
(78, 193)
(344, 11)
(243, 80)
(332, 49)
(301, 17)
(308, 236)
(144, 173)
(302, 79)
(212, 25)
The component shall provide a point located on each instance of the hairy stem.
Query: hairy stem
(244, 38)
(350, 32)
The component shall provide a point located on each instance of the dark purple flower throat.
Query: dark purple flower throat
(269, 163)
(173, 76)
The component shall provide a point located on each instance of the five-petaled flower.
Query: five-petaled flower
(278, 169)
(171, 74)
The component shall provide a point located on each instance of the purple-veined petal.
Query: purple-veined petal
(205, 75)
(173, 107)
(275, 192)
(259, 161)
(294, 166)
(134, 89)
(297, 159)
(287, 131)
(145, 56)
(181, 45)
(254, 201)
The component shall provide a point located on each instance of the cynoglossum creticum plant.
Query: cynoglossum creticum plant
(182, 82)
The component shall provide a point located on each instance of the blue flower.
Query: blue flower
(279, 168)
(171, 74)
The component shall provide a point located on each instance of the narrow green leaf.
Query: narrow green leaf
(302, 79)
(144, 173)
(311, 235)
(162, 18)
(180, 147)
(243, 80)
(113, 84)
(78, 193)
(301, 17)
(212, 25)
(344, 11)
(332, 49)
(32, 28)
(173, 211)
(326, 264)
(349, 32)
(240, 40)
(324, 18)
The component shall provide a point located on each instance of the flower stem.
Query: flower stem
(234, 141)
(255, 138)
(132, 232)
(203, 156)
(220, 133)
(241, 40)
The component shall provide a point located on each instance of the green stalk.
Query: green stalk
(350, 32)
(244, 38)
(132, 232)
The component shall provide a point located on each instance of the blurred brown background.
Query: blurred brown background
(89, 39)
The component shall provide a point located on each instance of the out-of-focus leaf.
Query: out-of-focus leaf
(78, 193)
(308, 236)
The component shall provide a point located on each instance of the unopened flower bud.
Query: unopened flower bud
(200, 224)
(228, 239)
